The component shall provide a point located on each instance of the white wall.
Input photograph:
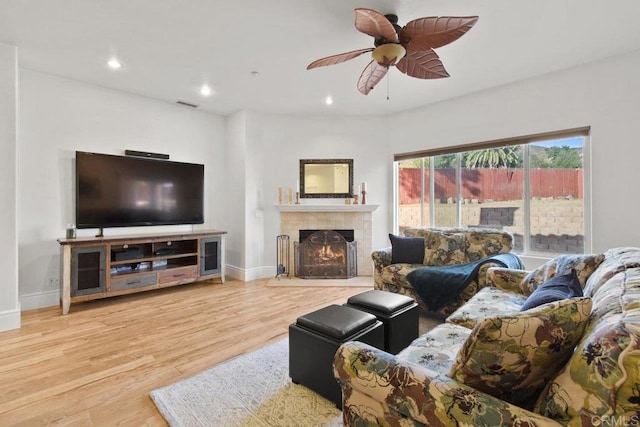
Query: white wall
(9, 304)
(604, 95)
(256, 261)
(263, 153)
(285, 139)
(235, 154)
(58, 117)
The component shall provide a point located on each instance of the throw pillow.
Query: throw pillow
(409, 250)
(557, 288)
(512, 357)
(601, 377)
(584, 265)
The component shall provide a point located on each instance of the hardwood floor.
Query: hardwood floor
(97, 365)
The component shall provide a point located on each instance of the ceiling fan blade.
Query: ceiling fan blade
(375, 24)
(371, 75)
(422, 65)
(337, 59)
(433, 32)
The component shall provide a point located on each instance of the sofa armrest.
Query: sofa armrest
(381, 258)
(508, 279)
(415, 392)
(482, 278)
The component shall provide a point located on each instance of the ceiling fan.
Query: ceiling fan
(409, 48)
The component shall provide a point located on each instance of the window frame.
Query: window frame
(525, 141)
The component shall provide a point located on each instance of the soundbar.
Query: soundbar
(146, 154)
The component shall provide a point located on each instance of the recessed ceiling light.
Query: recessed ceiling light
(328, 100)
(114, 64)
(205, 90)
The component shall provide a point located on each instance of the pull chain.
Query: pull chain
(387, 86)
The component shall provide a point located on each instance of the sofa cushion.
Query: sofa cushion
(616, 260)
(409, 250)
(444, 249)
(513, 356)
(483, 243)
(489, 301)
(607, 301)
(558, 287)
(562, 264)
(441, 247)
(437, 349)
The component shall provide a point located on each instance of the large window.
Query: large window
(532, 187)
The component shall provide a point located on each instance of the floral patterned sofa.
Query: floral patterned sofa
(442, 246)
(572, 362)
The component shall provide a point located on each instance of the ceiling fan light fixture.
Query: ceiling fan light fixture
(410, 48)
(388, 54)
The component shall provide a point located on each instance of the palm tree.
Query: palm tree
(502, 157)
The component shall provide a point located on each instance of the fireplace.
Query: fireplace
(358, 218)
(325, 254)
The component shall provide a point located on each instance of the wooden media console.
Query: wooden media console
(101, 267)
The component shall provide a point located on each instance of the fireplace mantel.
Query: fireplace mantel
(326, 208)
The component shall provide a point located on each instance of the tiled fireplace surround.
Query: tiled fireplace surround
(331, 217)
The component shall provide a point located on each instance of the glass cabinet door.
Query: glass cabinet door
(88, 271)
(210, 256)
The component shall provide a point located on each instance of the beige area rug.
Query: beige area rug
(253, 389)
(358, 281)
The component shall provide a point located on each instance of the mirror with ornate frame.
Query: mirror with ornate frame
(326, 178)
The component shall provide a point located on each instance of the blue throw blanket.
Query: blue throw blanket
(437, 286)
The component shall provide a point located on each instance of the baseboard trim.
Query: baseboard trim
(246, 275)
(260, 273)
(9, 320)
(40, 300)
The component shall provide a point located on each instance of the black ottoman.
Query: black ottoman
(399, 313)
(315, 338)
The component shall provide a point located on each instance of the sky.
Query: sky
(577, 141)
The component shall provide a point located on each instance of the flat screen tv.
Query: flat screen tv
(124, 191)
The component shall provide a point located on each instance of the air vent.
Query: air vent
(187, 104)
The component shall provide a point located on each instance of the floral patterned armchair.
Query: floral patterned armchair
(570, 362)
(442, 246)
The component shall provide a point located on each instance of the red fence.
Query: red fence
(492, 184)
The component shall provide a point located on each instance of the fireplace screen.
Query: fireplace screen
(325, 254)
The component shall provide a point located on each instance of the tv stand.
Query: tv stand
(101, 267)
(100, 232)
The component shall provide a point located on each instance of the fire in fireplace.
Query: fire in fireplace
(325, 254)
